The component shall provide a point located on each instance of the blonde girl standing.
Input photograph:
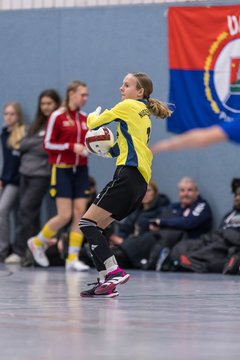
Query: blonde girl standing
(12, 133)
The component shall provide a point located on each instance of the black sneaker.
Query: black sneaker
(91, 292)
(27, 259)
(232, 265)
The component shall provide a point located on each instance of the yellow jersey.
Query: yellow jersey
(133, 132)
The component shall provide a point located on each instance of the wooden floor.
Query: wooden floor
(166, 316)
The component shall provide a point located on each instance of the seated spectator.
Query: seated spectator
(13, 131)
(190, 217)
(137, 223)
(216, 251)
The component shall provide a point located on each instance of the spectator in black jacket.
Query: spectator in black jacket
(216, 251)
(137, 223)
(190, 217)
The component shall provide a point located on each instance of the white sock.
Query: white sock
(102, 275)
(111, 264)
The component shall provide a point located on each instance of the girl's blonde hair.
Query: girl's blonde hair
(18, 130)
(72, 86)
(155, 106)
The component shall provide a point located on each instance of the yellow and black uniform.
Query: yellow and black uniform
(125, 192)
(133, 132)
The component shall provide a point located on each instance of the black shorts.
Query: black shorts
(124, 193)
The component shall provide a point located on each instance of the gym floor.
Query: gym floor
(164, 316)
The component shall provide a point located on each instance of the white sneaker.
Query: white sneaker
(13, 259)
(38, 253)
(76, 265)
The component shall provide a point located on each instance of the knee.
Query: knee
(65, 218)
(85, 225)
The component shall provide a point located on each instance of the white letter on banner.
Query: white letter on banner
(233, 24)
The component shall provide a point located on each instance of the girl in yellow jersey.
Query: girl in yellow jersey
(125, 192)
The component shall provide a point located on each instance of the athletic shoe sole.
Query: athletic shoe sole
(32, 250)
(103, 296)
(111, 284)
(76, 267)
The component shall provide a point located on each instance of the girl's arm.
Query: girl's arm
(96, 120)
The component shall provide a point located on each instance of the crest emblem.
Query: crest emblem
(222, 74)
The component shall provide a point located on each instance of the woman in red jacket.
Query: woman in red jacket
(64, 142)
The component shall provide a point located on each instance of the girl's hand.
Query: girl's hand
(97, 111)
(80, 149)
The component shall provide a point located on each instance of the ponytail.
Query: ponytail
(158, 109)
(155, 106)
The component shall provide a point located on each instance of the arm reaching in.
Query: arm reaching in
(196, 138)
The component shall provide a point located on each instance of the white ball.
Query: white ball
(99, 141)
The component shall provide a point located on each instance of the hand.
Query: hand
(104, 155)
(116, 240)
(154, 225)
(154, 228)
(156, 148)
(97, 111)
(80, 149)
(155, 222)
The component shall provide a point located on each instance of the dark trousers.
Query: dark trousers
(148, 246)
(32, 192)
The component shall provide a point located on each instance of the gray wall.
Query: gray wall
(48, 48)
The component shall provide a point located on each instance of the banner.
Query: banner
(204, 64)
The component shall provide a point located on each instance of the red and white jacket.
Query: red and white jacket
(64, 129)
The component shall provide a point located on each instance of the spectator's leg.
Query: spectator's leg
(8, 200)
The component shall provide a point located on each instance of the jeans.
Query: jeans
(8, 201)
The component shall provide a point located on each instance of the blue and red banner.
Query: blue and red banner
(204, 63)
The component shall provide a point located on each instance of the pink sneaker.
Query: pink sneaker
(92, 292)
(112, 279)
